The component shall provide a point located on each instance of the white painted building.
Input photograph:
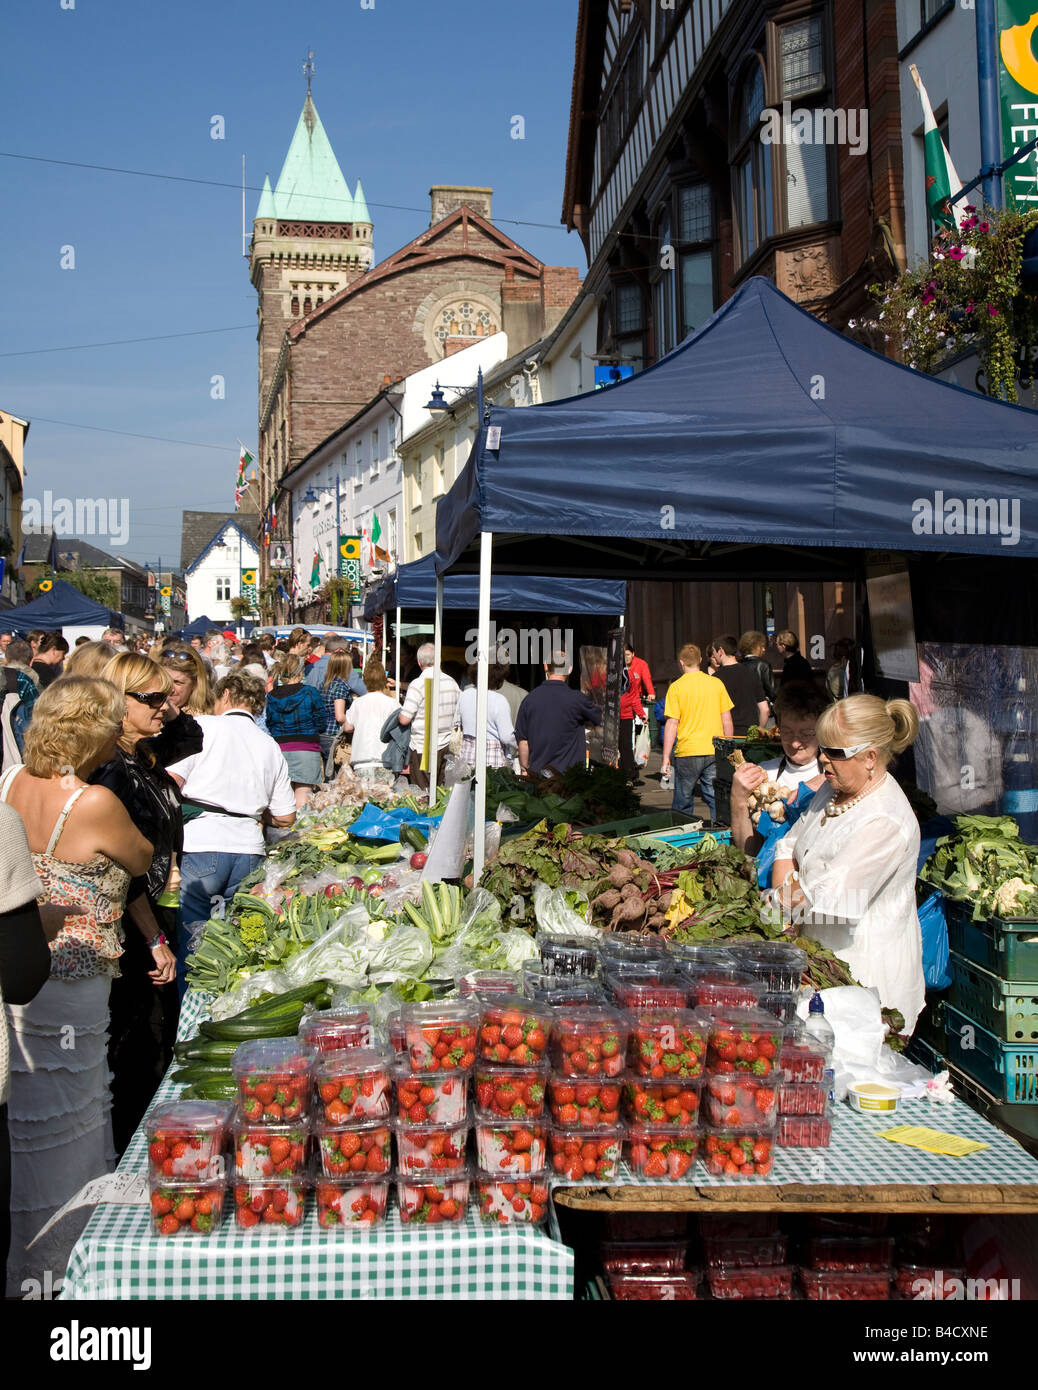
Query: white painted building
(214, 576)
(356, 474)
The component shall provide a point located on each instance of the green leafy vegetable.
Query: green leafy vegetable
(987, 864)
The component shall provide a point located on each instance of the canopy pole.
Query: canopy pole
(398, 694)
(434, 713)
(486, 556)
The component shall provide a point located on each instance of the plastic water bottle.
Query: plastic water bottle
(818, 1026)
(667, 780)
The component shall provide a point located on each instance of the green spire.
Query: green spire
(311, 187)
(266, 202)
(360, 205)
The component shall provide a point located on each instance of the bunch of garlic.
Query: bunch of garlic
(769, 796)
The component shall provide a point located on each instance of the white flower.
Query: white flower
(886, 337)
(909, 315)
(852, 323)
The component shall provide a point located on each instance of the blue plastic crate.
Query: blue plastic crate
(1005, 1070)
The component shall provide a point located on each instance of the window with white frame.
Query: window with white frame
(358, 464)
(223, 588)
(440, 472)
(375, 455)
(391, 534)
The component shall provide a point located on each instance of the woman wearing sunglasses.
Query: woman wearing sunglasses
(846, 872)
(144, 1000)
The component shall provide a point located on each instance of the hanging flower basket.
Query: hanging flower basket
(970, 296)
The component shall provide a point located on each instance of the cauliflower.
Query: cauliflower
(1008, 897)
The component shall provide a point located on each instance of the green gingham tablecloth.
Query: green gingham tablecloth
(120, 1256)
(857, 1156)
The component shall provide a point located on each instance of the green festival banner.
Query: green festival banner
(349, 564)
(1016, 22)
(248, 589)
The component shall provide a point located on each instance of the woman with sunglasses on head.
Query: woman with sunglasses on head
(144, 1001)
(846, 872)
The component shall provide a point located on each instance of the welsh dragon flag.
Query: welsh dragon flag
(941, 179)
(244, 459)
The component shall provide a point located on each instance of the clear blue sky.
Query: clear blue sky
(411, 93)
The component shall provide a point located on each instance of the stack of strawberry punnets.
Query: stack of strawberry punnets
(511, 1128)
(432, 1119)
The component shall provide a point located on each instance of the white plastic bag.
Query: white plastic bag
(856, 1019)
(556, 917)
(642, 745)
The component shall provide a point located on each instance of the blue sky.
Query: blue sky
(411, 93)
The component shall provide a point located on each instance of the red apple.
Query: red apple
(419, 860)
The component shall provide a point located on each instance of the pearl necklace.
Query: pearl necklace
(832, 810)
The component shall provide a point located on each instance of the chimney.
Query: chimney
(445, 197)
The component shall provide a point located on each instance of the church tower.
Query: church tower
(310, 237)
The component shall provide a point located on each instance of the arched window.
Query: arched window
(751, 166)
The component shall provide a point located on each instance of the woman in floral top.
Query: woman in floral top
(85, 850)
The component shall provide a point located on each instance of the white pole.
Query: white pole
(486, 555)
(398, 695)
(434, 717)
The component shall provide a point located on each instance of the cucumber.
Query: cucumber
(204, 1050)
(214, 1089)
(303, 995)
(188, 1076)
(228, 1030)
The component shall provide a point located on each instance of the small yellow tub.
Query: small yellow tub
(873, 1096)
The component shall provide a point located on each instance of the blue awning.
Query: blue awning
(414, 586)
(766, 428)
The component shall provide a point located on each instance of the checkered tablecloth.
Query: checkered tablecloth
(119, 1256)
(857, 1156)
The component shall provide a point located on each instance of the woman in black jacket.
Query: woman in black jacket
(144, 1004)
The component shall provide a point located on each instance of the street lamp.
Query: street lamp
(438, 403)
(310, 497)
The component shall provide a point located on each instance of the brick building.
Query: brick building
(324, 357)
(677, 194)
(679, 198)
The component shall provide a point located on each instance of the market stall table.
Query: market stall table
(119, 1255)
(858, 1171)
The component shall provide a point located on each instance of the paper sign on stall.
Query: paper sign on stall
(934, 1141)
(129, 1189)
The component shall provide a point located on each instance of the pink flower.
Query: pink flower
(993, 311)
(970, 307)
(967, 222)
(984, 227)
(956, 253)
(968, 207)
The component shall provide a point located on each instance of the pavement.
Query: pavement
(653, 796)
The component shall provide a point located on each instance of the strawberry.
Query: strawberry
(169, 1226)
(656, 1166)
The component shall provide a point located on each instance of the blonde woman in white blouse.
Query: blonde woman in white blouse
(847, 870)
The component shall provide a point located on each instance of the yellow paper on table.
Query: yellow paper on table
(934, 1141)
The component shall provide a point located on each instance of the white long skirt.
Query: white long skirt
(59, 1113)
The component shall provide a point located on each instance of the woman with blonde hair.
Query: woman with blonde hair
(192, 689)
(85, 850)
(144, 1000)
(846, 871)
(365, 719)
(88, 660)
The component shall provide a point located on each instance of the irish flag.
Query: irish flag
(315, 573)
(941, 179)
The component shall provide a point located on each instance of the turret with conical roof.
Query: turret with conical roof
(311, 237)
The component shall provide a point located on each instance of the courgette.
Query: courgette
(303, 995)
(410, 835)
(204, 1050)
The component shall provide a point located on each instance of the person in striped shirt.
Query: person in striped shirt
(413, 713)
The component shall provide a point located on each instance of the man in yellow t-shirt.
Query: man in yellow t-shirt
(697, 711)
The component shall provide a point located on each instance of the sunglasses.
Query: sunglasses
(836, 755)
(156, 699)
